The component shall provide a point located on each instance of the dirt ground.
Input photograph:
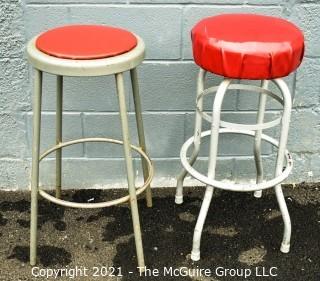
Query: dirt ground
(242, 234)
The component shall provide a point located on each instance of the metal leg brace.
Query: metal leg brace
(285, 245)
(197, 138)
(257, 139)
(215, 125)
(251, 130)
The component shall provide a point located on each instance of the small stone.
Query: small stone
(253, 256)
(187, 216)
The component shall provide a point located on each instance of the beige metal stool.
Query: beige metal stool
(88, 50)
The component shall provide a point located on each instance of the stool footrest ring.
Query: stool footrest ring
(123, 199)
(248, 187)
(249, 88)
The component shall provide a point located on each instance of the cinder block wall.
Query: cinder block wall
(167, 80)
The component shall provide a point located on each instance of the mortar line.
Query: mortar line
(294, 85)
(181, 33)
(84, 145)
(154, 112)
(174, 158)
(148, 5)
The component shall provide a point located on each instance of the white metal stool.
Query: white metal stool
(239, 46)
(88, 50)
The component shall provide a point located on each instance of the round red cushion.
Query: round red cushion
(86, 42)
(247, 46)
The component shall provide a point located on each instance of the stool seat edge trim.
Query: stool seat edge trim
(92, 67)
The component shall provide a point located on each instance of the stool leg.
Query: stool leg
(142, 142)
(197, 138)
(129, 167)
(59, 134)
(215, 125)
(285, 245)
(35, 164)
(257, 139)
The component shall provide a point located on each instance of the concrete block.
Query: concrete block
(44, 2)
(224, 167)
(12, 45)
(167, 170)
(168, 91)
(14, 174)
(47, 17)
(315, 164)
(250, 100)
(84, 93)
(85, 173)
(147, 22)
(309, 1)
(308, 83)
(172, 86)
(12, 141)
(164, 133)
(207, 2)
(159, 45)
(72, 129)
(230, 144)
(304, 135)
(14, 93)
(302, 169)
(245, 168)
(307, 18)
(108, 126)
(11, 29)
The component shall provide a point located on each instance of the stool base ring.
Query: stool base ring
(230, 186)
(100, 204)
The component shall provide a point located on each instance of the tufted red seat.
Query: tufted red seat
(84, 42)
(247, 46)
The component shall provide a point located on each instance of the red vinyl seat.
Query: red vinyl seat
(247, 46)
(85, 42)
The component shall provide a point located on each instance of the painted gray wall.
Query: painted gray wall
(167, 80)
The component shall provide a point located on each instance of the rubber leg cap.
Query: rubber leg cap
(178, 199)
(195, 256)
(257, 194)
(285, 248)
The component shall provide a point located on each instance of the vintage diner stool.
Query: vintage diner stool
(242, 46)
(88, 50)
